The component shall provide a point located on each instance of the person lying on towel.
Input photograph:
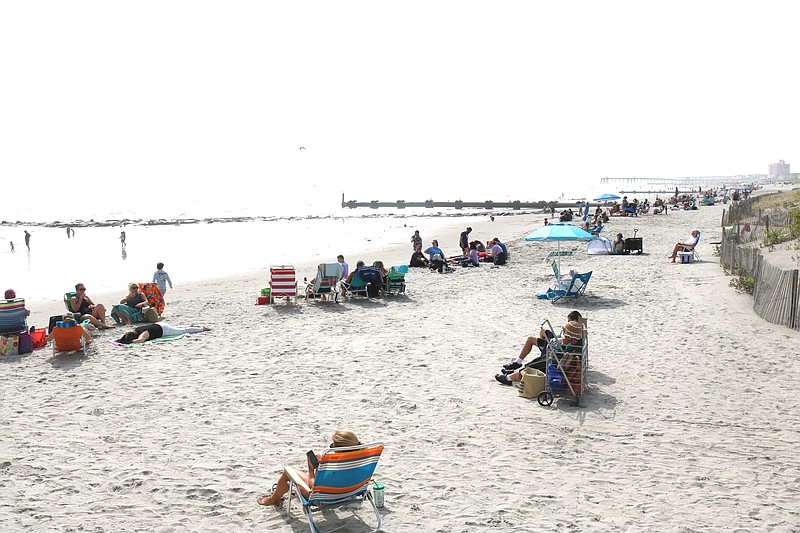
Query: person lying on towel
(150, 332)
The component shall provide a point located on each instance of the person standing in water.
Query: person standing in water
(122, 237)
(28, 240)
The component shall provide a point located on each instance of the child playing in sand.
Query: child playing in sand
(162, 278)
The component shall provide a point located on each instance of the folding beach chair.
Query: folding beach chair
(572, 290)
(324, 283)
(357, 285)
(343, 477)
(689, 253)
(396, 279)
(69, 340)
(283, 283)
(12, 316)
(561, 281)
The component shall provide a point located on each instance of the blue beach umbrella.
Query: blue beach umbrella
(559, 232)
(606, 197)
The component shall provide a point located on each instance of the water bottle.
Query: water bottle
(377, 493)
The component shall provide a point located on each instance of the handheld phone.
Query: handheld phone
(312, 458)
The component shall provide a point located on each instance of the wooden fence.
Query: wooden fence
(776, 292)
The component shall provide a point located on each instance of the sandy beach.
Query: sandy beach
(690, 422)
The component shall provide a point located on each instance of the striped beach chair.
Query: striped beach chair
(12, 316)
(343, 477)
(324, 283)
(282, 282)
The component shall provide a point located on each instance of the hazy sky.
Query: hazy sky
(476, 97)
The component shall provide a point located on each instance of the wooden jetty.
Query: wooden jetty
(459, 204)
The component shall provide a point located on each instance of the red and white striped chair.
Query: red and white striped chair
(282, 282)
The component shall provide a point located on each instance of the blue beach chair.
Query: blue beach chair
(574, 289)
(357, 285)
(343, 477)
(689, 252)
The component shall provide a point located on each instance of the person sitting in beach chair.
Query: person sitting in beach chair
(354, 284)
(340, 475)
(282, 283)
(79, 303)
(13, 315)
(69, 336)
(572, 335)
(687, 246)
(130, 308)
(324, 283)
(396, 279)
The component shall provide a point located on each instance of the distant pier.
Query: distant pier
(458, 204)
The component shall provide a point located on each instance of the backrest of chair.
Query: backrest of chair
(282, 280)
(397, 273)
(697, 238)
(328, 275)
(68, 339)
(67, 297)
(12, 315)
(345, 472)
(556, 270)
(576, 288)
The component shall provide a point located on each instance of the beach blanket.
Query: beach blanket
(133, 314)
(154, 297)
(160, 339)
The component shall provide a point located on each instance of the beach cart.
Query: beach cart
(633, 244)
(566, 367)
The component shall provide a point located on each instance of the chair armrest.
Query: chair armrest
(297, 480)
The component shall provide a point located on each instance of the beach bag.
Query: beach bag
(151, 315)
(533, 382)
(39, 336)
(9, 345)
(25, 343)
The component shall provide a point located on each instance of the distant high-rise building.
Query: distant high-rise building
(776, 170)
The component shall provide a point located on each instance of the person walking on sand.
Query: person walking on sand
(12, 247)
(28, 240)
(68, 232)
(161, 278)
(122, 237)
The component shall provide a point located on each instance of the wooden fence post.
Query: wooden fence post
(794, 300)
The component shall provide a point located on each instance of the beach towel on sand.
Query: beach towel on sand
(160, 339)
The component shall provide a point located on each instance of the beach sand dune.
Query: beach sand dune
(690, 422)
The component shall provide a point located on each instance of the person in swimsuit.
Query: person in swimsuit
(342, 438)
(130, 308)
(154, 331)
(87, 309)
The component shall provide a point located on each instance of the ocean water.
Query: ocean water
(298, 226)
(190, 252)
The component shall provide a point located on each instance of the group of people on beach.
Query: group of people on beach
(83, 311)
(473, 253)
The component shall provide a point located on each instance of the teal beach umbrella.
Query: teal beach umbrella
(559, 232)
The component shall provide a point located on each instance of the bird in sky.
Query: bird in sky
(302, 147)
